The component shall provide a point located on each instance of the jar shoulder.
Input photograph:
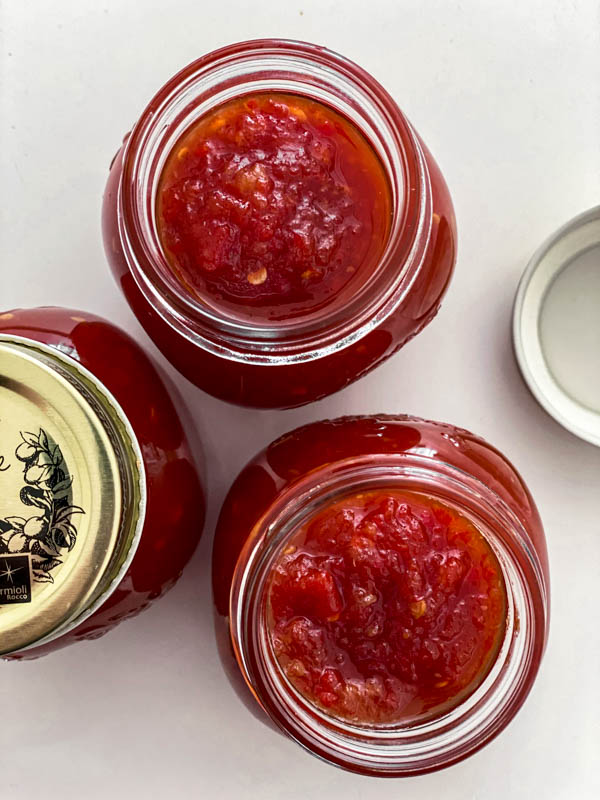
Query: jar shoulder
(317, 444)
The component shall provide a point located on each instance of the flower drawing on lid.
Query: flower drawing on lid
(50, 533)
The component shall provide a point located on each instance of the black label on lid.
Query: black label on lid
(15, 579)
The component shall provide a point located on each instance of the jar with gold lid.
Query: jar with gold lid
(101, 503)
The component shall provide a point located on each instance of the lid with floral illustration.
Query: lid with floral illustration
(72, 494)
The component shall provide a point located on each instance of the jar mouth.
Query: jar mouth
(435, 741)
(280, 66)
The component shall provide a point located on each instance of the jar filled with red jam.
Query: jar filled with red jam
(276, 224)
(381, 591)
(101, 503)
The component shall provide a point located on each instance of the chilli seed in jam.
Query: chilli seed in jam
(275, 203)
(386, 607)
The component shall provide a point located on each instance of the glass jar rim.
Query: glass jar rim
(309, 337)
(473, 722)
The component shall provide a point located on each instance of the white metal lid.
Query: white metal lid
(556, 325)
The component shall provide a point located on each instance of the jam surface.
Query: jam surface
(386, 607)
(273, 203)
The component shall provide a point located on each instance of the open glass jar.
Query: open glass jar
(101, 504)
(265, 362)
(290, 485)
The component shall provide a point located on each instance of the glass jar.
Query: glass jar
(307, 470)
(101, 504)
(281, 364)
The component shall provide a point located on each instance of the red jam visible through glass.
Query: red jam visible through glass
(273, 202)
(386, 607)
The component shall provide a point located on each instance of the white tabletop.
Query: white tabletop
(506, 96)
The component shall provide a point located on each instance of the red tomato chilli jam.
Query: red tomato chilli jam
(381, 591)
(276, 224)
(385, 607)
(274, 201)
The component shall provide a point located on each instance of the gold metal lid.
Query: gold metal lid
(72, 494)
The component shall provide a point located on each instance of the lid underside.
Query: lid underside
(571, 241)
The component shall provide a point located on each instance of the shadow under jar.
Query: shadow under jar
(381, 591)
(276, 224)
(101, 503)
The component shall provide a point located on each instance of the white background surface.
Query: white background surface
(506, 96)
